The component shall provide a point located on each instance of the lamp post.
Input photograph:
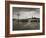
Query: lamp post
(18, 17)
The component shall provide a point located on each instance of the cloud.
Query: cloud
(25, 13)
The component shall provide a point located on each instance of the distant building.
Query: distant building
(34, 19)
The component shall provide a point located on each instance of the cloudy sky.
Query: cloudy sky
(24, 13)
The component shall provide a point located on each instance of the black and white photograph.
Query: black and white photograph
(26, 18)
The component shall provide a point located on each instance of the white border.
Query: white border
(25, 31)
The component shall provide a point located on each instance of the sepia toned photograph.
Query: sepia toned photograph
(25, 18)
